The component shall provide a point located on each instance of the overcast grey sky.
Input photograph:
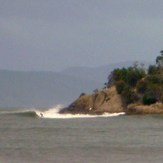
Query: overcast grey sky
(55, 34)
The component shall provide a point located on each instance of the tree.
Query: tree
(159, 61)
(129, 96)
(129, 75)
(141, 86)
(152, 70)
(134, 75)
(120, 86)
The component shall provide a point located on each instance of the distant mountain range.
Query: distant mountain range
(98, 74)
(46, 89)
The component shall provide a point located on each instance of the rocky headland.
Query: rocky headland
(133, 90)
(109, 101)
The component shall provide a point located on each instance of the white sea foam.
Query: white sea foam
(54, 114)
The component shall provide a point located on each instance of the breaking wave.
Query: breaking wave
(53, 113)
(25, 113)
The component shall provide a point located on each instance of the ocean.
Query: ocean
(44, 136)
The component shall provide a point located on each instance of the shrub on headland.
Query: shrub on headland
(141, 86)
(148, 100)
(120, 86)
(129, 96)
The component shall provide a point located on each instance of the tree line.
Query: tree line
(135, 84)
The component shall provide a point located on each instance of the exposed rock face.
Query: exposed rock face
(108, 100)
(105, 100)
(156, 108)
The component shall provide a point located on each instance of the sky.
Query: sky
(51, 35)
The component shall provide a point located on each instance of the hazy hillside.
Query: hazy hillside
(98, 74)
(45, 89)
(40, 89)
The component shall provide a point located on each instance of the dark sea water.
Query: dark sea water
(25, 137)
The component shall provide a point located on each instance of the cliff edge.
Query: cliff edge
(105, 100)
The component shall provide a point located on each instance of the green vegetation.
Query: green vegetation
(135, 84)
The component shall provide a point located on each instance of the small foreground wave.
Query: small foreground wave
(53, 113)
